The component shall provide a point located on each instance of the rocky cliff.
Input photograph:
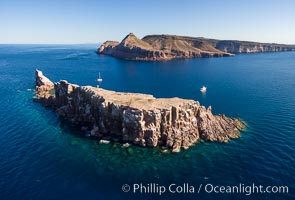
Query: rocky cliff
(159, 48)
(165, 47)
(233, 46)
(136, 118)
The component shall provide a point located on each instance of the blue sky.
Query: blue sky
(90, 21)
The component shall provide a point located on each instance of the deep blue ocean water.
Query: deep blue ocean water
(42, 157)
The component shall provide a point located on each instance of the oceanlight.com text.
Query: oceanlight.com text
(186, 188)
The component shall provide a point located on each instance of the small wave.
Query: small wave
(3, 63)
(44, 49)
(74, 56)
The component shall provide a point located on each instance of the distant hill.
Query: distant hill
(166, 47)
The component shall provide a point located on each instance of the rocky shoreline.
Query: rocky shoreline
(167, 47)
(136, 118)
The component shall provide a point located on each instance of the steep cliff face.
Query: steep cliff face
(44, 89)
(165, 47)
(132, 48)
(232, 46)
(108, 47)
(138, 118)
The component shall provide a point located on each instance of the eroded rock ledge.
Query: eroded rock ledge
(137, 118)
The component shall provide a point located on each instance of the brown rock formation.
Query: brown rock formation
(132, 48)
(165, 47)
(139, 118)
(42, 82)
(44, 89)
(234, 46)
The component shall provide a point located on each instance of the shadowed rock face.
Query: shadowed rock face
(138, 118)
(165, 47)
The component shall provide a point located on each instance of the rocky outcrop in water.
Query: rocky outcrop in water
(44, 89)
(166, 47)
(136, 118)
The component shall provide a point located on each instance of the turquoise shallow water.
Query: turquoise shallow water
(43, 157)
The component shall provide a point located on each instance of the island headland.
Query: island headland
(167, 47)
(141, 119)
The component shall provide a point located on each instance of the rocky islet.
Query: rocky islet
(136, 118)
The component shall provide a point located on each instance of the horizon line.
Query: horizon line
(51, 43)
(99, 43)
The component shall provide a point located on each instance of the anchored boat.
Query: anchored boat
(99, 78)
(203, 89)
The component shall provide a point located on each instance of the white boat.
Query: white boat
(99, 78)
(203, 89)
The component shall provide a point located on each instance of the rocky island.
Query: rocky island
(140, 119)
(166, 47)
